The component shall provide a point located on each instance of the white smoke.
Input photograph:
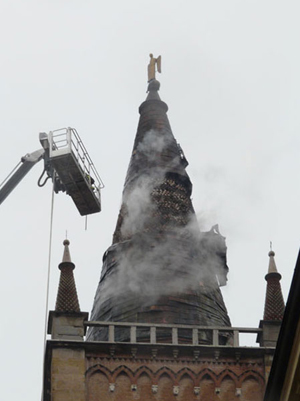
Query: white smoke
(159, 265)
(137, 201)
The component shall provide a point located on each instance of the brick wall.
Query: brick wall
(86, 371)
(183, 378)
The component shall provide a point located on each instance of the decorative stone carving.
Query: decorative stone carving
(217, 390)
(154, 388)
(133, 387)
(175, 390)
(238, 392)
(196, 390)
(112, 387)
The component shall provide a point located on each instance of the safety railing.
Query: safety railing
(66, 141)
(138, 333)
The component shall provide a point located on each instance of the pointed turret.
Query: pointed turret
(67, 299)
(160, 267)
(274, 305)
(66, 322)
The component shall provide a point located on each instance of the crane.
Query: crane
(68, 164)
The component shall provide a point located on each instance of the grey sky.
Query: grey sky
(230, 76)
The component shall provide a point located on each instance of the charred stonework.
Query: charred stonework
(160, 279)
(213, 245)
(161, 268)
(167, 206)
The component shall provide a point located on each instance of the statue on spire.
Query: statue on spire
(151, 67)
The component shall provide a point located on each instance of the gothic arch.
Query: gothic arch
(207, 373)
(97, 382)
(227, 374)
(207, 383)
(123, 369)
(144, 370)
(252, 385)
(98, 368)
(251, 374)
(186, 372)
(165, 371)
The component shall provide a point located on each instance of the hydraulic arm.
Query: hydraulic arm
(27, 162)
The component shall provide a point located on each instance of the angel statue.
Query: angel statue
(151, 66)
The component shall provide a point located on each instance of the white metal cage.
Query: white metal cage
(75, 169)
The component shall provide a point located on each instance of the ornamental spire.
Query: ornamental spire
(274, 303)
(67, 299)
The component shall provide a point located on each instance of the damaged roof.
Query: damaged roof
(160, 268)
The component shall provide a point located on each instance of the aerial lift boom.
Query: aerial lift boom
(68, 164)
(28, 161)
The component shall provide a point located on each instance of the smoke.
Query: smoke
(161, 250)
(160, 262)
(137, 206)
(153, 162)
(153, 143)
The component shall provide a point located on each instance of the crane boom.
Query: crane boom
(28, 161)
(67, 163)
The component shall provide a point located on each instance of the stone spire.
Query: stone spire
(274, 306)
(66, 322)
(67, 299)
(160, 267)
(274, 303)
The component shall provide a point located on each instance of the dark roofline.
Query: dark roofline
(285, 340)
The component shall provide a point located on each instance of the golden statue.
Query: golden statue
(151, 66)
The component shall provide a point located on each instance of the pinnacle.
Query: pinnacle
(274, 303)
(272, 264)
(66, 255)
(67, 299)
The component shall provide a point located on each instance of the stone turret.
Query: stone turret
(274, 303)
(160, 268)
(66, 322)
(274, 306)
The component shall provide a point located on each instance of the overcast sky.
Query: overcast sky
(230, 76)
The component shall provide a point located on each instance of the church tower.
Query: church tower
(159, 328)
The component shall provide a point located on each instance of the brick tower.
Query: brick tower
(159, 328)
